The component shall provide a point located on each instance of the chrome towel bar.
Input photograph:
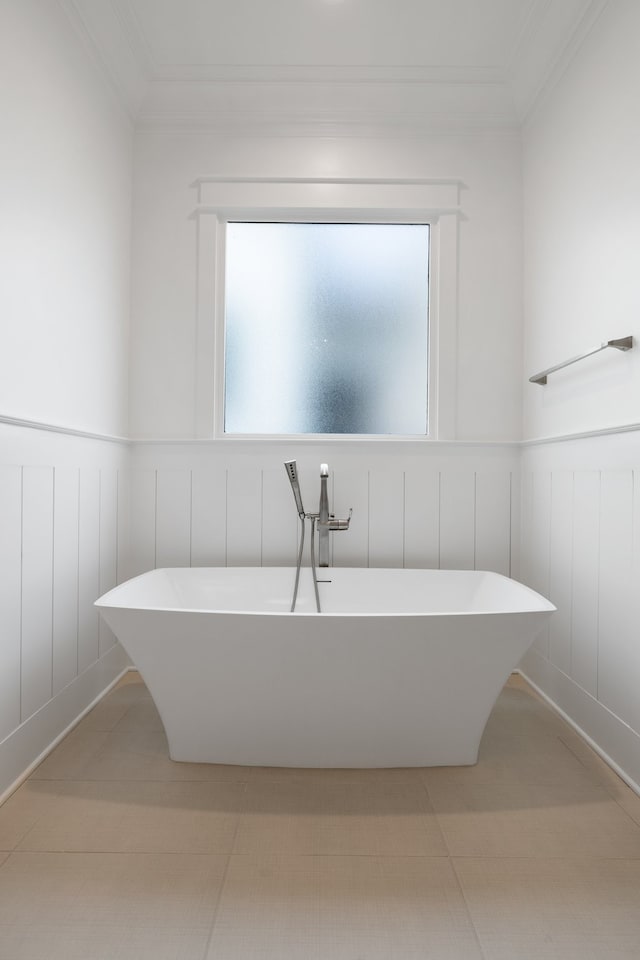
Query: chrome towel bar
(624, 343)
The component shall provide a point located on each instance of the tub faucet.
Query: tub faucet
(327, 523)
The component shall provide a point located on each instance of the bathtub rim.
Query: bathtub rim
(540, 603)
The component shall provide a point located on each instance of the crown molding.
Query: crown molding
(423, 128)
(105, 33)
(322, 100)
(341, 107)
(554, 34)
(287, 100)
(132, 31)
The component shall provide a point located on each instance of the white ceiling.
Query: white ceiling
(363, 62)
(199, 34)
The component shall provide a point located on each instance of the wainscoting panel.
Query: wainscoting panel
(10, 596)
(560, 556)
(66, 482)
(109, 536)
(585, 578)
(539, 548)
(143, 521)
(457, 519)
(173, 518)
(493, 493)
(422, 518)
(37, 589)
(581, 546)
(89, 567)
(414, 505)
(244, 515)
(618, 633)
(59, 545)
(209, 517)
(386, 518)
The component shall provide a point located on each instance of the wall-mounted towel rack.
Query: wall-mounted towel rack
(624, 343)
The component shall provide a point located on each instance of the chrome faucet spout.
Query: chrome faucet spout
(327, 522)
(323, 518)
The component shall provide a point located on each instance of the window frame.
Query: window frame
(423, 201)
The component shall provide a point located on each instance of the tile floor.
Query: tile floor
(112, 852)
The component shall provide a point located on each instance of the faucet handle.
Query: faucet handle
(335, 524)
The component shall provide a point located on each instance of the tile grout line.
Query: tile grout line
(454, 868)
(223, 879)
(452, 864)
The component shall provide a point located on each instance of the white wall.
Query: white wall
(488, 371)
(581, 155)
(65, 196)
(580, 539)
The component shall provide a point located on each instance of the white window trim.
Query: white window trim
(433, 202)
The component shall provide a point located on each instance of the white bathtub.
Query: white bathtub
(402, 667)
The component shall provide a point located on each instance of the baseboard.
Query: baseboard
(31, 742)
(612, 739)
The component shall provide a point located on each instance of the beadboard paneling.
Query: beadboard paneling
(108, 561)
(89, 567)
(143, 520)
(244, 515)
(10, 596)
(585, 577)
(37, 588)
(560, 555)
(422, 518)
(415, 507)
(493, 494)
(61, 537)
(539, 544)
(580, 539)
(209, 517)
(65, 576)
(457, 519)
(173, 518)
(386, 518)
(617, 632)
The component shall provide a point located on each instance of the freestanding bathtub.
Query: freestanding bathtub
(402, 667)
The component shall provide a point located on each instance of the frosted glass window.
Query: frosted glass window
(326, 328)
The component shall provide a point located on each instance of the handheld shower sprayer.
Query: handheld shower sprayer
(292, 472)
